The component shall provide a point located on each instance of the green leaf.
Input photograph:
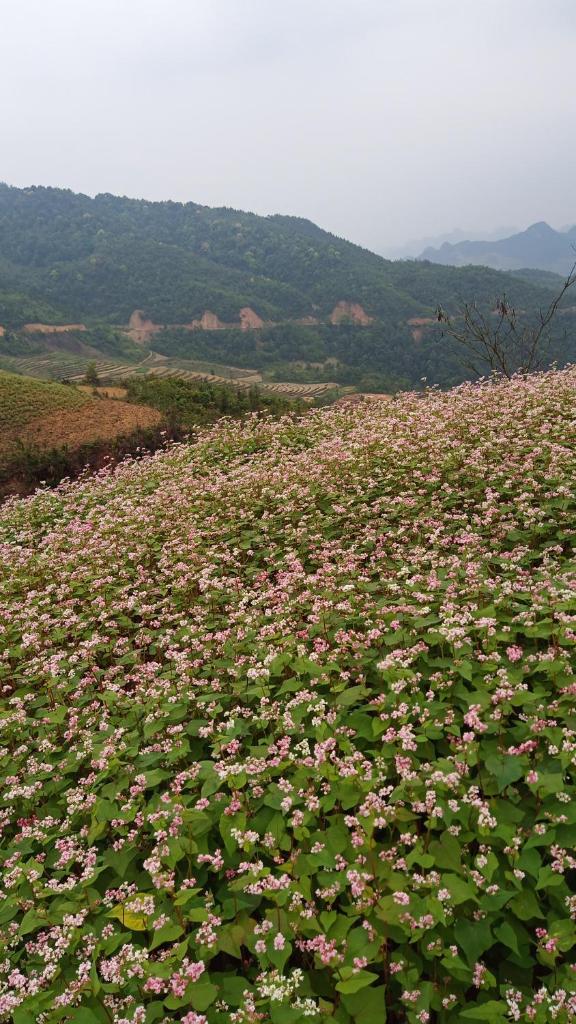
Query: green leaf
(505, 768)
(280, 957)
(337, 838)
(525, 906)
(367, 1007)
(564, 931)
(283, 1014)
(230, 940)
(168, 933)
(232, 988)
(474, 938)
(507, 936)
(548, 879)
(492, 1012)
(464, 668)
(23, 1016)
(356, 982)
(550, 782)
(197, 914)
(154, 1012)
(84, 1015)
(304, 666)
(105, 810)
(350, 696)
(198, 822)
(137, 922)
(120, 860)
(31, 921)
(459, 890)
(530, 861)
(447, 853)
(202, 995)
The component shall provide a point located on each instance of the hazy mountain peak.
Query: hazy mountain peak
(541, 227)
(539, 247)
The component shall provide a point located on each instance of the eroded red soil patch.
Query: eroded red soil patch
(350, 312)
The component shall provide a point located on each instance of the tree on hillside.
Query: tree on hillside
(91, 376)
(503, 339)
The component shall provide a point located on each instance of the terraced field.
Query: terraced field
(300, 390)
(212, 368)
(287, 388)
(63, 365)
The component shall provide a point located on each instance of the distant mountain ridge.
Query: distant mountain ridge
(277, 295)
(179, 263)
(411, 249)
(539, 247)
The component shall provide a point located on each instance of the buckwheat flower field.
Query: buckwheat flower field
(288, 728)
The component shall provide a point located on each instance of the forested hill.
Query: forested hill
(104, 257)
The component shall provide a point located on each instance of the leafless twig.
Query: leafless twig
(507, 345)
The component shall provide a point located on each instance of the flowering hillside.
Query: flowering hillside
(288, 728)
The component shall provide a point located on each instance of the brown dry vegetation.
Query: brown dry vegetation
(105, 390)
(99, 420)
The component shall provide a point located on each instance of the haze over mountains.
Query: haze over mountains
(414, 247)
(275, 294)
(538, 247)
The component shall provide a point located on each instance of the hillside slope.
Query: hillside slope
(23, 399)
(288, 723)
(42, 415)
(539, 247)
(109, 256)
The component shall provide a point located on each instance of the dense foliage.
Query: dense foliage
(17, 309)
(187, 404)
(99, 339)
(288, 723)
(109, 255)
(26, 466)
(546, 278)
(69, 257)
(382, 357)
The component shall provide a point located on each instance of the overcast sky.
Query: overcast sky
(381, 120)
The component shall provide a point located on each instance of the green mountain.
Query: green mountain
(326, 307)
(105, 257)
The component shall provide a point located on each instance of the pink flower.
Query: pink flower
(514, 653)
(156, 985)
(478, 975)
(402, 898)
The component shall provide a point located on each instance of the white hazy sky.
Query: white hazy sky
(382, 120)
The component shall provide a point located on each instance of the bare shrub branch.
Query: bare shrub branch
(507, 345)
